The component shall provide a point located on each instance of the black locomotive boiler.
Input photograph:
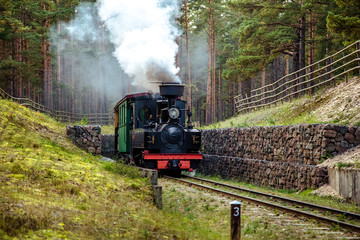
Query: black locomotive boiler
(150, 130)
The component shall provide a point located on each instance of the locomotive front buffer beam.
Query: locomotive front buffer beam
(173, 161)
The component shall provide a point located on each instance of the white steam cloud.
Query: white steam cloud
(144, 33)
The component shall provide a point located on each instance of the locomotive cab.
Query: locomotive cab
(150, 131)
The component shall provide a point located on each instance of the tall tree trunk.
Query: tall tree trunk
(302, 50)
(180, 57)
(80, 93)
(45, 83)
(220, 107)
(246, 88)
(209, 83)
(276, 70)
(287, 66)
(59, 68)
(47, 71)
(295, 65)
(188, 57)
(213, 88)
(17, 81)
(311, 52)
(26, 61)
(10, 52)
(34, 94)
(281, 64)
(296, 57)
(72, 80)
(287, 71)
(28, 89)
(20, 79)
(49, 74)
(104, 97)
(197, 116)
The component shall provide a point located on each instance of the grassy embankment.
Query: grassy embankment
(50, 189)
(337, 105)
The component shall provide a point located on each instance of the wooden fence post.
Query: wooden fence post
(329, 68)
(307, 78)
(247, 101)
(158, 196)
(152, 175)
(343, 63)
(235, 232)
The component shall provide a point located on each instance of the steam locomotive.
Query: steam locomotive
(150, 131)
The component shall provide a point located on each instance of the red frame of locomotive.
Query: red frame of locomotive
(162, 159)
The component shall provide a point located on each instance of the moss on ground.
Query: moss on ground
(108, 129)
(50, 189)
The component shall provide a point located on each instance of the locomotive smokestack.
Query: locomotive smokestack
(171, 90)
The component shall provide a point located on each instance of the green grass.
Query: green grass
(210, 215)
(283, 114)
(50, 189)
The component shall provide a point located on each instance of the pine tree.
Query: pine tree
(345, 21)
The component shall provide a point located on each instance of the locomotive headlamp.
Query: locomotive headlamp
(174, 113)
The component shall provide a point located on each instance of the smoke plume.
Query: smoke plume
(112, 48)
(86, 69)
(143, 33)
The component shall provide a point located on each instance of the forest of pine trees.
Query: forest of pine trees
(228, 47)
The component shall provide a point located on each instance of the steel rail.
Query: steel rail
(289, 200)
(273, 205)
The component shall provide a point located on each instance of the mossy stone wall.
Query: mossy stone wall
(276, 156)
(303, 144)
(281, 175)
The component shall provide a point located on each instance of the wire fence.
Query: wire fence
(62, 116)
(304, 81)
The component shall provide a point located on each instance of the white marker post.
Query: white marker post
(235, 220)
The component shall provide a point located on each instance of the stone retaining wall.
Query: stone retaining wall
(276, 156)
(85, 137)
(265, 173)
(303, 144)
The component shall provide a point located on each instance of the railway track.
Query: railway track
(287, 209)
